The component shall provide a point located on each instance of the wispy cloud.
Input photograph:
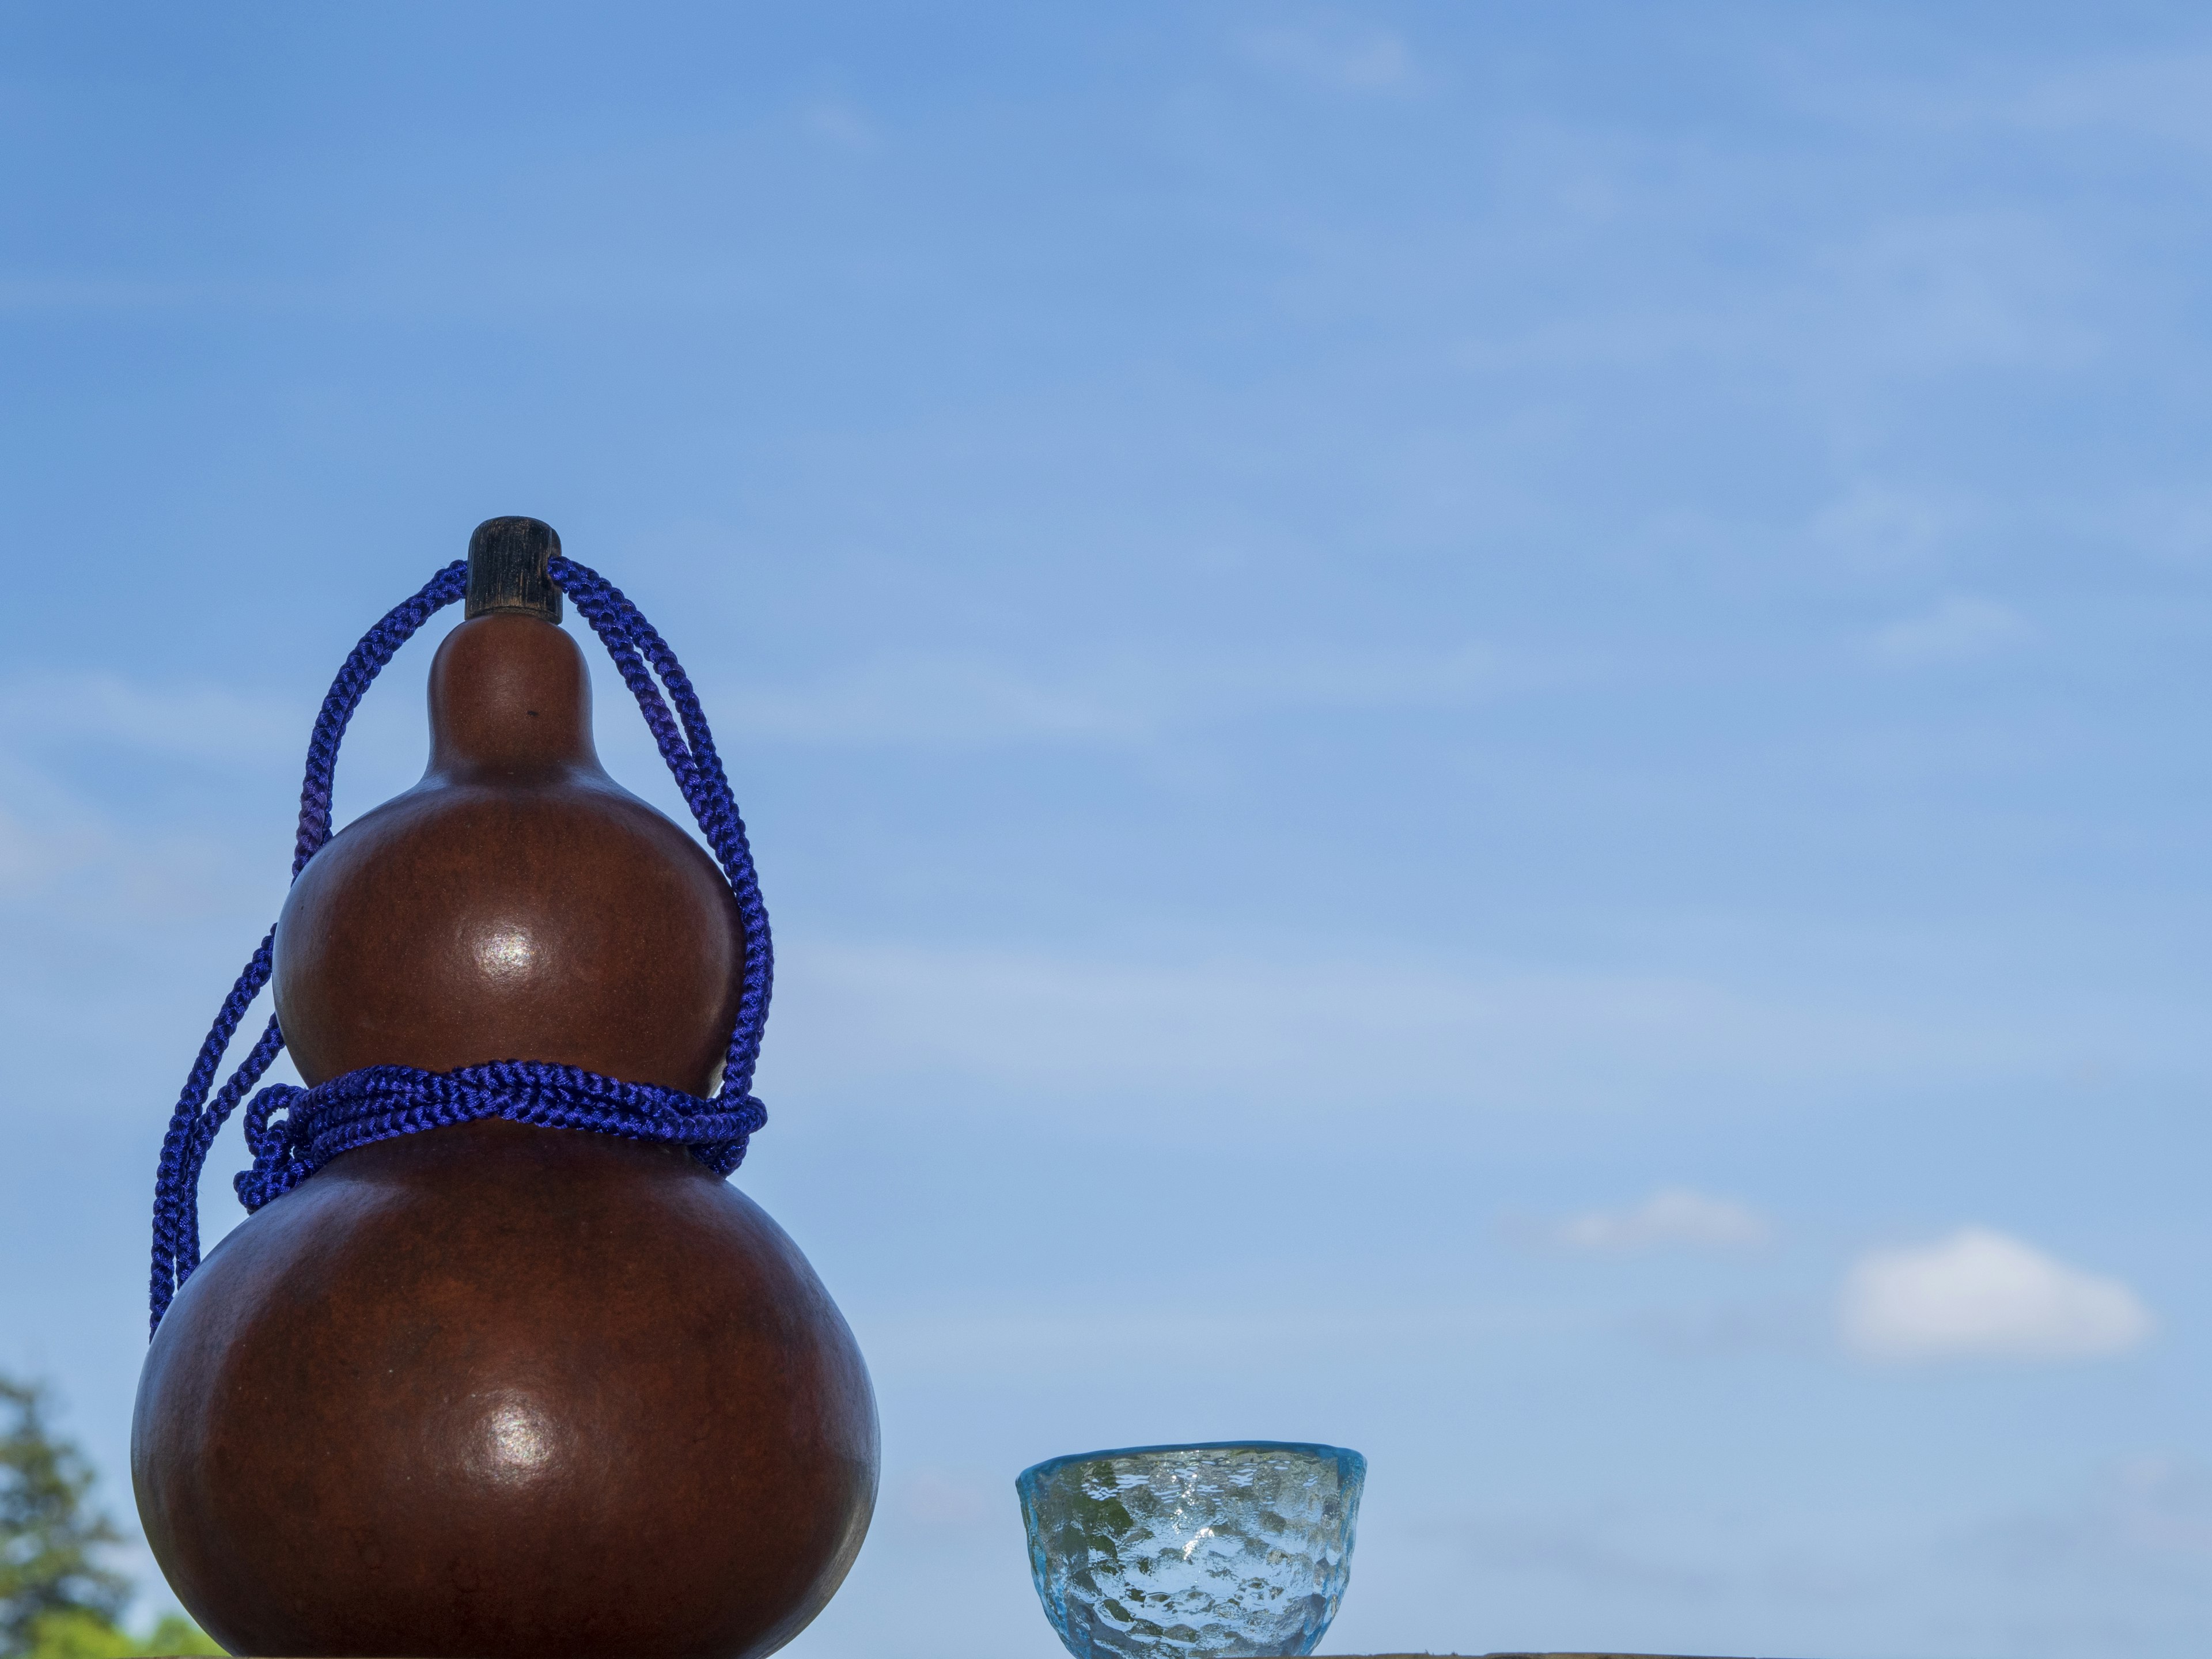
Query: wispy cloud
(1960, 629)
(937, 1497)
(1977, 1293)
(79, 830)
(1307, 1032)
(49, 829)
(1673, 1217)
(2163, 96)
(2136, 1536)
(1369, 61)
(85, 292)
(1876, 526)
(1775, 1325)
(964, 701)
(1042, 1341)
(36, 849)
(839, 124)
(1584, 1553)
(185, 721)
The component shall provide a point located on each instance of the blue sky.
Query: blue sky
(1474, 730)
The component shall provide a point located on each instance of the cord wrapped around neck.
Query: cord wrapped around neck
(293, 1132)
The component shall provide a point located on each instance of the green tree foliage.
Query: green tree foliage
(57, 1600)
(50, 1534)
(76, 1634)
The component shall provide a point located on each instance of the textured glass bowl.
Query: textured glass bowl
(1236, 1549)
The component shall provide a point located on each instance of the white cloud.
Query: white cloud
(1957, 629)
(1980, 1293)
(1672, 1216)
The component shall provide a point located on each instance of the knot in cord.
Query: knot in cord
(378, 1102)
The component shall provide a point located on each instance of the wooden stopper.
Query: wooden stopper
(507, 569)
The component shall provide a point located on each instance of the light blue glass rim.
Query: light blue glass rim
(1353, 1463)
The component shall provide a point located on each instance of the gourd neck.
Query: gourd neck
(510, 701)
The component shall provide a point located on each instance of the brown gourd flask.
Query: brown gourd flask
(494, 1389)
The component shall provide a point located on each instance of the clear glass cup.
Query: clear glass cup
(1233, 1549)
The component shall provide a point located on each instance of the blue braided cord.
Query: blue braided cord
(195, 1121)
(690, 754)
(377, 647)
(379, 1102)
